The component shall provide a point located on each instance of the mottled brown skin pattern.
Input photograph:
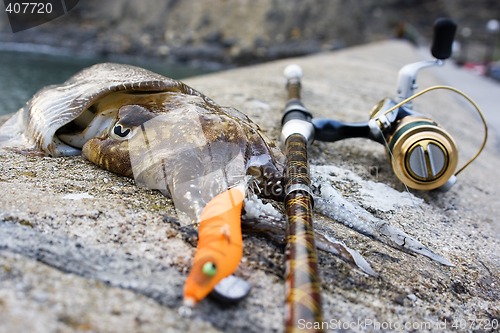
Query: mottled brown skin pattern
(55, 119)
(110, 155)
(58, 116)
(303, 285)
(218, 124)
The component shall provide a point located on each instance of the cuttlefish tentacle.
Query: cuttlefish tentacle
(264, 219)
(332, 204)
(170, 137)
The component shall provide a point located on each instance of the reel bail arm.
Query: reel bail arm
(330, 130)
(423, 155)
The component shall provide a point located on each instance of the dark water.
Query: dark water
(22, 74)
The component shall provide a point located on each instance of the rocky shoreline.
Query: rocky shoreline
(244, 32)
(232, 33)
(211, 51)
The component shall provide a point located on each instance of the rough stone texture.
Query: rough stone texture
(84, 250)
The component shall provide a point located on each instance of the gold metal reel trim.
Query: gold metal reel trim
(478, 110)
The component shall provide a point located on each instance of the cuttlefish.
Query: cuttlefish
(170, 137)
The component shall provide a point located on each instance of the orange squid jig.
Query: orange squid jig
(220, 244)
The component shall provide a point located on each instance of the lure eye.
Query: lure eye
(209, 269)
(120, 132)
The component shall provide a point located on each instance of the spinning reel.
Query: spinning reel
(423, 155)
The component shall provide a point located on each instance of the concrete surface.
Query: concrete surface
(84, 250)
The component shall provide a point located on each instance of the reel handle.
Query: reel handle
(331, 130)
(444, 34)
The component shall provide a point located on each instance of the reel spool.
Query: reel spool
(422, 154)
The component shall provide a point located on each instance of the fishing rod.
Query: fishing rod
(423, 156)
(303, 297)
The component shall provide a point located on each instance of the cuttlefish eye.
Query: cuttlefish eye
(120, 132)
(209, 269)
